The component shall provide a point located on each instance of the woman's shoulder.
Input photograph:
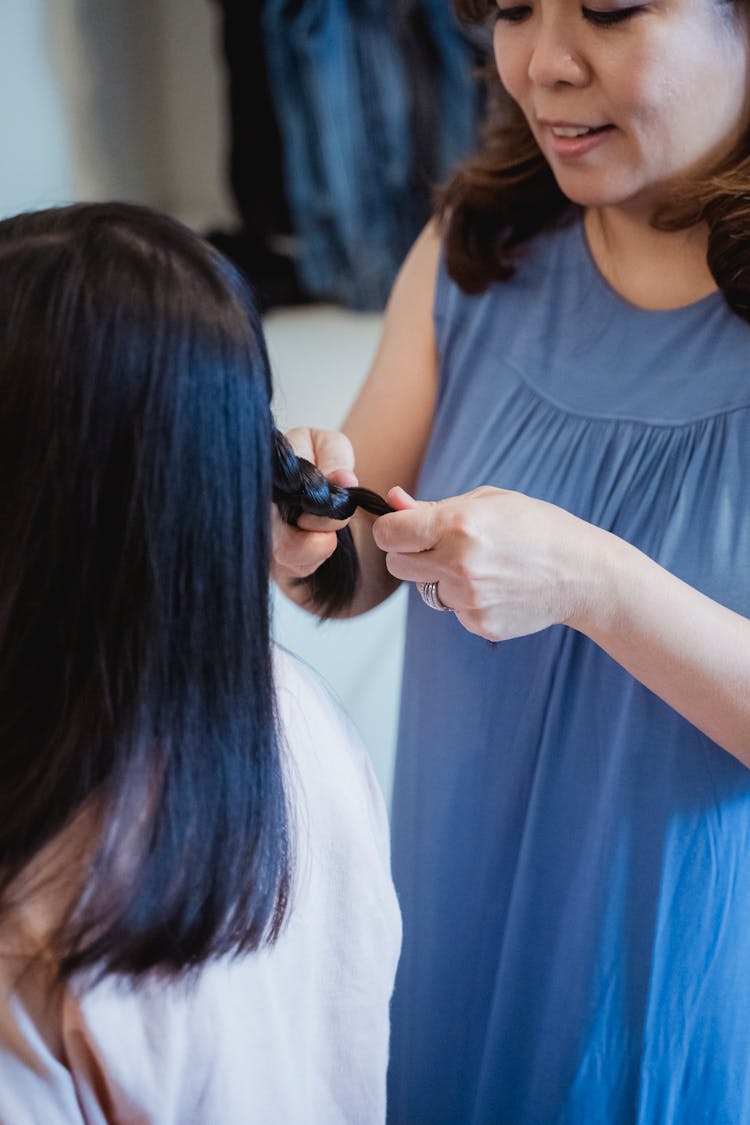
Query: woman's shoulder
(545, 262)
(413, 291)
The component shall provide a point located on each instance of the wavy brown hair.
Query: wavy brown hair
(506, 193)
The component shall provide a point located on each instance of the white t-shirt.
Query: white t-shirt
(294, 1035)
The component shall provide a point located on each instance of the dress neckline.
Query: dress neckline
(702, 305)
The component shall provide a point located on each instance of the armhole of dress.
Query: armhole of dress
(440, 314)
(442, 284)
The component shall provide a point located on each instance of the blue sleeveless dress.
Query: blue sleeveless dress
(572, 857)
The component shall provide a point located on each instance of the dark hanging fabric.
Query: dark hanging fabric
(256, 169)
(444, 95)
(375, 100)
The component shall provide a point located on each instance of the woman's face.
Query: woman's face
(624, 98)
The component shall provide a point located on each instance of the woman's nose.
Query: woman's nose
(555, 58)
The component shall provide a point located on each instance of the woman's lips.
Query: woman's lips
(572, 141)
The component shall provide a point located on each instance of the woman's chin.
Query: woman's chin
(596, 195)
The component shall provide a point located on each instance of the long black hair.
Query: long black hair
(136, 447)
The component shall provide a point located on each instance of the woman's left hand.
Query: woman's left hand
(509, 565)
(506, 564)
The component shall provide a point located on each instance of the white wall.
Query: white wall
(195, 149)
(113, 98)
(319, 357)
(39, 163)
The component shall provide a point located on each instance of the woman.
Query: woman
(196, 916)
(565, 357)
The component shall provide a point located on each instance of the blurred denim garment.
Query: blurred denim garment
(344, 100)
(445, 100)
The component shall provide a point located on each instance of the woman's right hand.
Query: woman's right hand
(299, 551)
(389, 425)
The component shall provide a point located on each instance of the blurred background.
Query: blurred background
(304, 138)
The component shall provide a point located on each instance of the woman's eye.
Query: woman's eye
(519, 12)
(608, 19)
(513, 15)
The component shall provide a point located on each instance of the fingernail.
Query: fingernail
(399, 495)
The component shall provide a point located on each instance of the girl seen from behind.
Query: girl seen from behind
(196, 915)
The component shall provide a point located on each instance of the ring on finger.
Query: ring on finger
(428, 591)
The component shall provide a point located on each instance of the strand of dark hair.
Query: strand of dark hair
(298, 486)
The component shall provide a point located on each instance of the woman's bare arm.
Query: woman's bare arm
(688, 649)
(388, 428)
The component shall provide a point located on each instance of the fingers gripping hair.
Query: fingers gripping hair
(299, 487)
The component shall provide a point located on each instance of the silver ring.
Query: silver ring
(429, 595)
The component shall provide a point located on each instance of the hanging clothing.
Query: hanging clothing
(445, 99)
(255, 166)
(260, 245)
(572, 857)
(343, 93)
